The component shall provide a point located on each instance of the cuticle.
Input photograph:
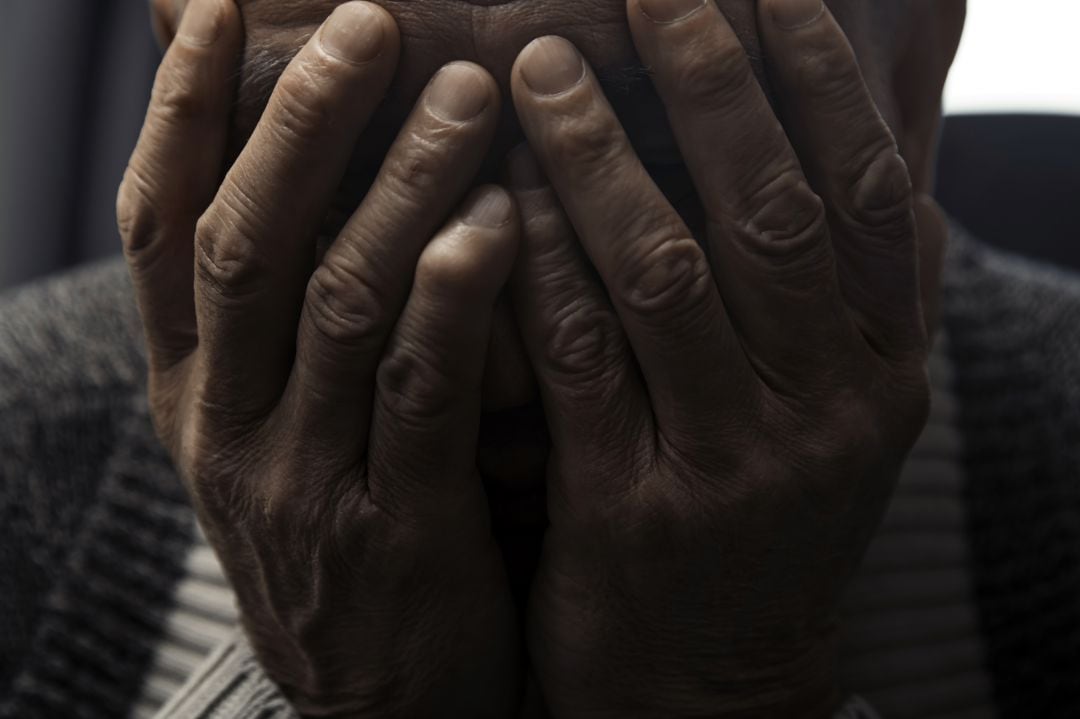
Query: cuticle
(820, 14)
(695, 11)
(570, 88)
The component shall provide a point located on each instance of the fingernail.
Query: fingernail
(670, 11)
(488, 207)
(458, 92)
(794, 14)
(523, 170)
(353, 33)
(201, 23)
(551, 65)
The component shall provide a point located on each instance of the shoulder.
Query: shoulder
(71, 373)
(75, 332)
(1010, 319)
(1013, 332)
(95, 522)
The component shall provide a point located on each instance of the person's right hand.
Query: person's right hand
(325, 418)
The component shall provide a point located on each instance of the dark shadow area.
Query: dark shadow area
(1014, 182)
(75, 79)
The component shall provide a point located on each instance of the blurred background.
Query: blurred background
(75, 76)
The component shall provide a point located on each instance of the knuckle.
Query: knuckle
(227, 262)
(590, 142)
(784, 223)
(585, 346)
(667, 285)
(346, 308)
(881, 200)
(136, 212)
(176, 97)
(416, 170)
(829, 75)
(413, 387)
(838, 439)
(547, 229)
(305, 104)
(714, 77)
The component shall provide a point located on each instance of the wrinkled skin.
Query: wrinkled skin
(491, 34)
(729, 401)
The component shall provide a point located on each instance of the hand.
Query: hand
(728, 418)
(325, 418)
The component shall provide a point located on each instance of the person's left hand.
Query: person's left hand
(727, 421)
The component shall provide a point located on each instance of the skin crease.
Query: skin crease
(435, 32)
(274, 29)
(904, 71)
(491, 35)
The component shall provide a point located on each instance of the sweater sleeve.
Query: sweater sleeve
(230, 684)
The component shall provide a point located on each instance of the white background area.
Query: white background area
(1018, 56)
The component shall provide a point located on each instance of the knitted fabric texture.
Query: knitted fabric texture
(1014, 329)
(94, 523)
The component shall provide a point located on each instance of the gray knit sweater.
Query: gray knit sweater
(94, 526)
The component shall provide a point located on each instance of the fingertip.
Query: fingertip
(378, 13)
(792, 14)
(550, 66)
(471, 259)
(461, 91)
(207, 22)
(496, 210)
(488, 206)
(359, 33)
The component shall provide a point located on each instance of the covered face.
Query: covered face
(492, 33)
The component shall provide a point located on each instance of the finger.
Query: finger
(164, 16)
(595, 404)
(427, 408)
(355, 296)
(256, 243)
(768, 235)
(657, 276)
(175, 170)
(933, 229)
(855, 165)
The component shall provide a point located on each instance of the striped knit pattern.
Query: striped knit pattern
(94, 528)
(94, 539)
(911, 642)
(1015, 329)
(911, 639)
(204, 614)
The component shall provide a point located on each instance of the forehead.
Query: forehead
(435, 32)
(485, 31)
(488, 32)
